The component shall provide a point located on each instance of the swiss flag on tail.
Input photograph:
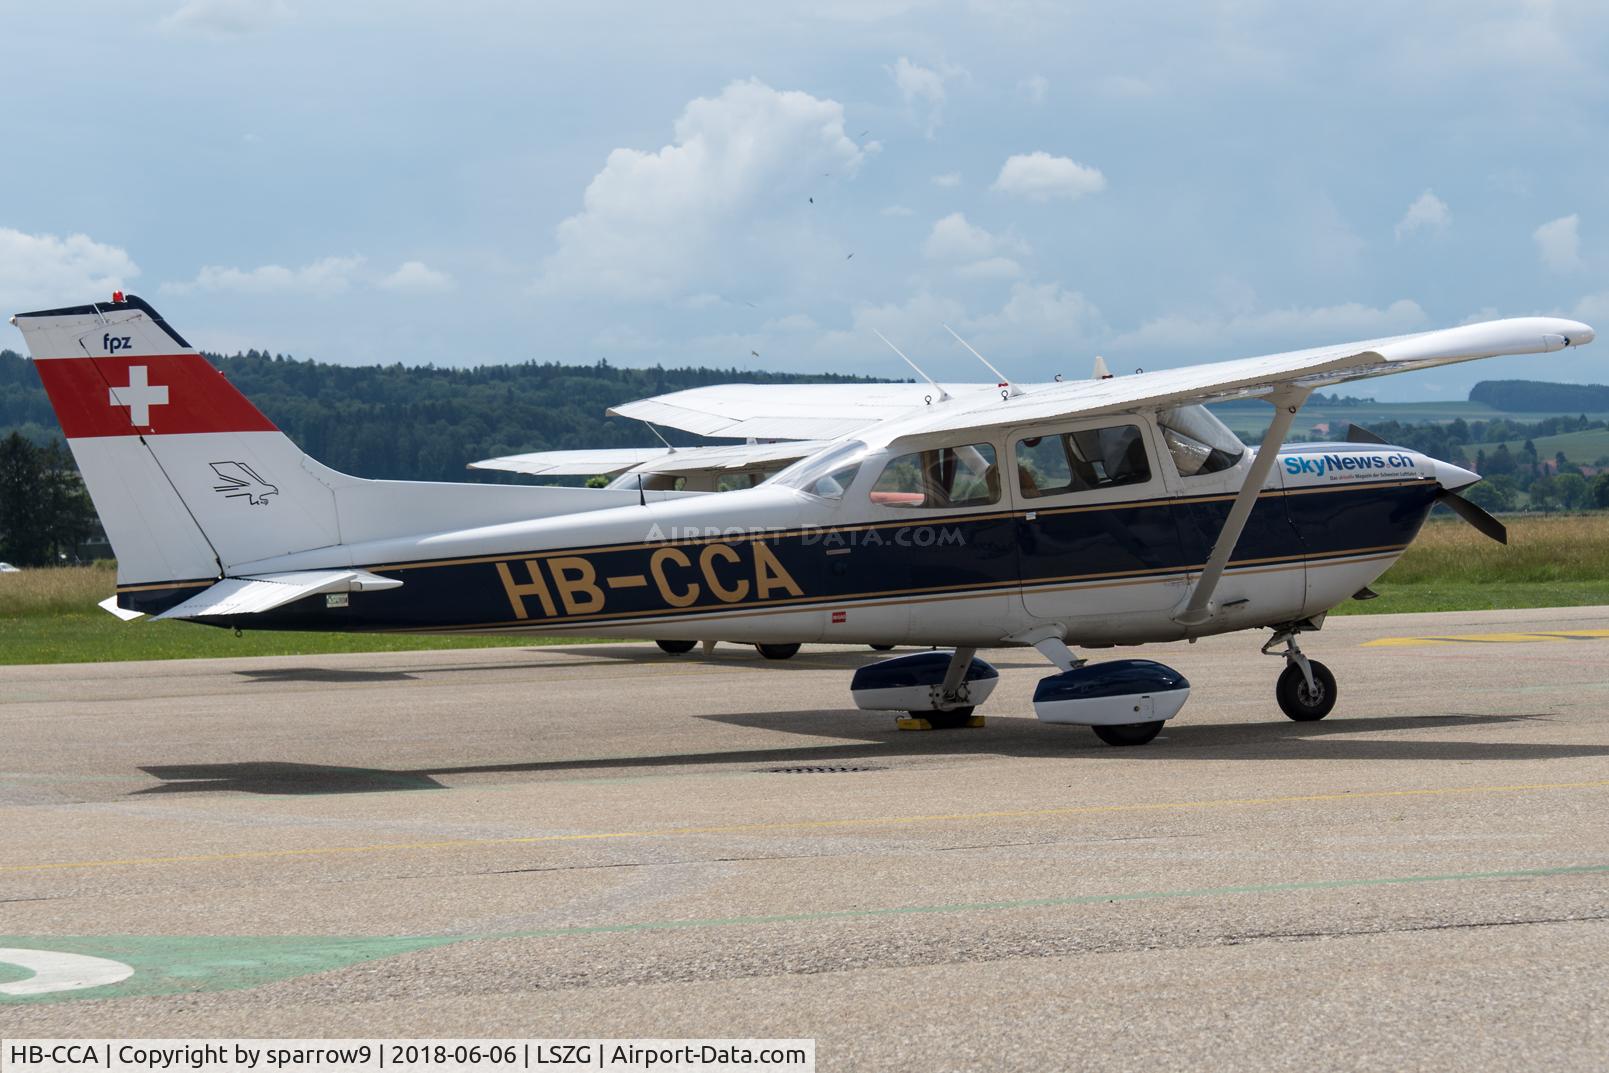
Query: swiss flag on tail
(117, 369)
(163, 394)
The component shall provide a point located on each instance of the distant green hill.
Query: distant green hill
(420, 422)
(1536, 396)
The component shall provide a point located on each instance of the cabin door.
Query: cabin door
(1097, 539)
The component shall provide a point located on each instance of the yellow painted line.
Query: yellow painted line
(816, 825)
(1488, 638)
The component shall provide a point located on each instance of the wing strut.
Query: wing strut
(1198, 608)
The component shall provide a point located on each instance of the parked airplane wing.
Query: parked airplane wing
(733, 456)
(1250, 377)
(792, 411)
(608, 461)
(611, 462)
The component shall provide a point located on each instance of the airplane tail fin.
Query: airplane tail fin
(187, 475)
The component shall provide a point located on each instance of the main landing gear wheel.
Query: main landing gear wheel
(952, 719)
(1301, 703)
(882, 648)
(778, 651)
(676, 648)
(1128, 733)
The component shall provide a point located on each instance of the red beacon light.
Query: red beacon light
(117, 296)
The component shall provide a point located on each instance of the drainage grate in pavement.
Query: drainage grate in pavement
(820, 769)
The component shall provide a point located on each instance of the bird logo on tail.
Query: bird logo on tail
(240, 479)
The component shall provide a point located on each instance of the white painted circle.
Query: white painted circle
(54, 970)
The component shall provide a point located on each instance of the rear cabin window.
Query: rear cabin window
(1056, 464)
(943, 477)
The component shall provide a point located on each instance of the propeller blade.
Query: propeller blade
(1488, 525)
(1356, 433)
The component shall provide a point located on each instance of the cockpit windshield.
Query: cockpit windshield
(1198, 441)
(827, 474)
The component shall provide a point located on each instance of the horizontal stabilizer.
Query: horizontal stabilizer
(264, 592)
(110, 604)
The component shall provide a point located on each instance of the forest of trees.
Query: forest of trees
(45, 514)
(1536, 397)
(421, 422)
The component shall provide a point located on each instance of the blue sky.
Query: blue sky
(761, 185)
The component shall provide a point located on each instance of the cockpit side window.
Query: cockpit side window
(943, 477)
(1198, 441)
(1080, 461)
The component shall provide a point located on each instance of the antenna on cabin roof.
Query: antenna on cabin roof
(1101, 371)
(943, 395)
(1005, 381)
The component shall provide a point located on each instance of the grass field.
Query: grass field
(1582, 448)
(1554, 560)
(1551, 560)
(49, 616)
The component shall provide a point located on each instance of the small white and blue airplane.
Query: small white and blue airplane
(1096, 513)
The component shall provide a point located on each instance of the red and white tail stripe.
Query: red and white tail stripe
(189, 478)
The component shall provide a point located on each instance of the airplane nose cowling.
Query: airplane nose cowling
(1452, 477)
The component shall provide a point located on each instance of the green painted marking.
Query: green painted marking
(165, 965)
(172, 964)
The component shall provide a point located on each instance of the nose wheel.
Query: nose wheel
(1306, 689)
(1300, 701)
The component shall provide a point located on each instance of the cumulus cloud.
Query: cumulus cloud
(1593, 308)
(1293, 327)
(327, 275)
(1043, 319)
(913, 325)
(45, 271)
(923, 89)
(991, 268)
(705, 206)
(1427, 213)
(228, 18)
(417, 276)
(1558, 243)
(793, 322)
(955, 239)
(1040, 176)
(948, 180)
(1035, 88)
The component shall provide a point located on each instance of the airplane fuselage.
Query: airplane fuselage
(1108, 566)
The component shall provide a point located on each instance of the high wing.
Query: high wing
(652, 459)
(1297, 371)
(832, 411)
(793, 411)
